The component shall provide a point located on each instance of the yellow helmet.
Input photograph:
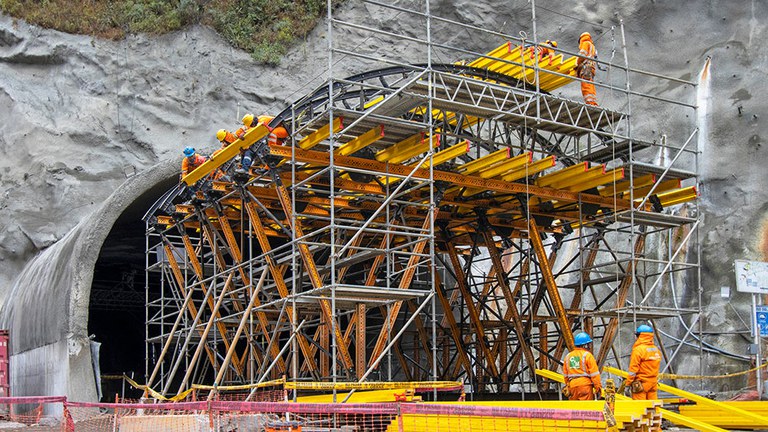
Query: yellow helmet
(248, 120)
(585, 35)
(221, 134)
(552, 43)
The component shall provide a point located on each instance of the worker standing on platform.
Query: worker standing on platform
(277, 135)
(582, 377)
(586, 67)
(191, 161)
(643, 377)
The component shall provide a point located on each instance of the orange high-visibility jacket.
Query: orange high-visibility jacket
(187, 166)
(580, 368)
(645, 360)
(229, 138)
(586, 67)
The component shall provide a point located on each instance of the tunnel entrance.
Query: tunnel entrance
(117, 303)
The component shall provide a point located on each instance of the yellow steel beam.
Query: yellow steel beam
(254, 134)
(361, 142)
(609, 177)
(322, 133)
(665, 186)
(485, 161)
(562, 174)
(450, 153)
(623, 186)
(730, 409)
(679, 196)
(499, 52)
(417, 150)
(506, 166)
(671, 416)
(519, 173)
(590, 174)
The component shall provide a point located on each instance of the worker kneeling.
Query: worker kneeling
(643, 378)
(582, 378)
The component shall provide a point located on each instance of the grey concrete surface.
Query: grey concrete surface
(83, 122)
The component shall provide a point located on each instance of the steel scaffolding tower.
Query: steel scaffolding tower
(425, 222)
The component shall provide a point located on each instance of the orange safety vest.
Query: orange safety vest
(586, 67)
(645, 360)
(580, 368)
(187, 166)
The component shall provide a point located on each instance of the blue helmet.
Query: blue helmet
(643, 329)
(581, 339)
(189, 151)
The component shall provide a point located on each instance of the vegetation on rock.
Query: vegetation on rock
(265, 28)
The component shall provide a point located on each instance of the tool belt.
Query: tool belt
(637, 387)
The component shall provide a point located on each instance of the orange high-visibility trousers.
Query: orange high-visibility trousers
(582, 392)
(588, 91)
(651, 392)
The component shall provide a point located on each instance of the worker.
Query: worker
(582, 378)
(191, 161)
(547, 49)
(643, 377)
(277, 135)
(585, 68)
(225, 137)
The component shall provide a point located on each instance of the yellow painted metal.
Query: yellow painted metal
(639, 182)
(665, 186)
(731, 410)
(590, 174)
(529, 170)
(450, 153)
(373, 102)
(562, 174)
(506, 166)
(609, 177)
(361, 142)
(722, 419)
(320, 134)
(407, 148)
(253, 135)
(678, 196)
(669, 415)
(499, 52)
(387, 385)
(374, 396)
(551, 82)
(484, 161)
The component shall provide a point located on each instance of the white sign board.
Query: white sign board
(751, 276)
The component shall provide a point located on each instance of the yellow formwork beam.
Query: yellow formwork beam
(609, 177)
(590, 174)
(623, 186)
(562, 174)
(484, 162)
(731, 410)
(373, 396)
(450, 153)
(665, 186)
(251, 136)
(669, 415)
(506, 166)
(500, 51)
(530, 169)
(407, 148)
(361, 142)
(321, 134)
(679, 196)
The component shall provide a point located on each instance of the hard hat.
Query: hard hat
(585, 35)
(644, 329)
(552, 43)
(221, 134)
(581, 339)
(248, 120)
(189, 151)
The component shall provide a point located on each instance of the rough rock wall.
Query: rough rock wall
(80, 115)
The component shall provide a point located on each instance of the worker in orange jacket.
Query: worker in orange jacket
(547, 49)
(586, 67)
(277, 135)
(582, 377)
(643, 377)
(191, 161)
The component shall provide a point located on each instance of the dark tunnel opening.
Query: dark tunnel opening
(116, 311)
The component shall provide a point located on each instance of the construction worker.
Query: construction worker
(191, 161)
(547, 49)
(582, 378)
(586, 67)
(225, 137)
(643, 377)
(277, 135)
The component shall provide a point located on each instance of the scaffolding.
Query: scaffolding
(436, 220)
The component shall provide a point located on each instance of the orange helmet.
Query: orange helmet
(585, 36)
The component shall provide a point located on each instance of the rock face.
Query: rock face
(82, 116)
